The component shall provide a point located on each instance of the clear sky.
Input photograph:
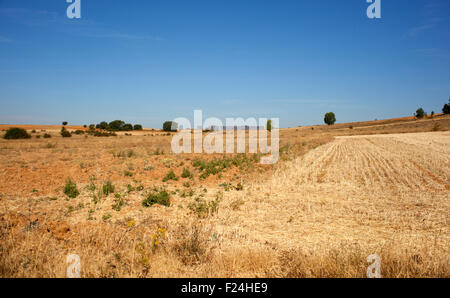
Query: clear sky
(150, 61)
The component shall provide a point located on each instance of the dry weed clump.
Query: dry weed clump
(193, 244)
(350, 260)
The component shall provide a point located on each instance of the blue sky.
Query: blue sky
(150, 61)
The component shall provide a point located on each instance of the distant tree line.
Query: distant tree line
(116, 125)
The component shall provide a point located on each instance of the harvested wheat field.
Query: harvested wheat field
(336, 196)
(386, 195)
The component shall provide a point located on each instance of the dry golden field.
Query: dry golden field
(337, 195)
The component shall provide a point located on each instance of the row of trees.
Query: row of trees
(170, 126)
(420, 113)
(330, 118)
(117, 125)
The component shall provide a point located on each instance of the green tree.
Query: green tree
(446, 109)
(329, 118)
(102, 125)
(420, 113)
(116, 125)
(127, 127)
(64, 123)
(137, 127)
(170, 126)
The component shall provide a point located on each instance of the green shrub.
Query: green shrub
(130, 188)
(124, 154)
(137, 127)
(118, 202)
(91, 185)
(239, 186)
(216, 166)
(148, 168)
(160, 197)
(103, 134)
(226, 186)
(158, 151)
(186, 173)
(70, 189)
(65, 133)
(15, 133)
(47, 136)
(96, 197)
(170, 176)
(329, 118)
(108, 188)
(203, 208)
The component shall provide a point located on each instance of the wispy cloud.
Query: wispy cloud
(93, 32)
(29, 17)
(417, 30)
(431, 18)
(432, 52)
(306, 101)
(60, 23)
(5, 39)
(302, 100)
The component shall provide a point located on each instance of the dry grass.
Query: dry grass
(333, 199)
